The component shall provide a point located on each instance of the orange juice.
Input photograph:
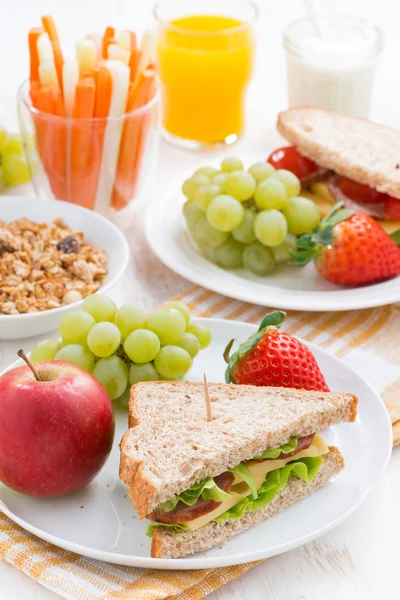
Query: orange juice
(205, 63)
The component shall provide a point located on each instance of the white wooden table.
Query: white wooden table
(360, 560)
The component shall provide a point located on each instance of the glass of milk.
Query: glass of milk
(334, 70)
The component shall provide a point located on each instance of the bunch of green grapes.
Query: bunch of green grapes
(13, 166)
(122, 346)
(247, 218)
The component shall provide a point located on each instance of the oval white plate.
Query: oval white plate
(96, 229)
(287, 287)
(101, 523)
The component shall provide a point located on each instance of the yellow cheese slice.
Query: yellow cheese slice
(259, 471)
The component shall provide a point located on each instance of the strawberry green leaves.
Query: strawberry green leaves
(310, 245)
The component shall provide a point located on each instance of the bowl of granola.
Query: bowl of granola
(52, 255)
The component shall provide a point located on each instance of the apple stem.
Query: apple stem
(24, 357)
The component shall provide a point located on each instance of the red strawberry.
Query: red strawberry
(349, 249)
(273, 357)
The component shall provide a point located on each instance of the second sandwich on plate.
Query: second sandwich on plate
(200, 482)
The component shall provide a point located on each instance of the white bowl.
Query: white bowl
(96, 229)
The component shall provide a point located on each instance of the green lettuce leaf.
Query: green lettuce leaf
(247, 477)
(285, 449)
(207, 489)
(304, 468)
(154, 524)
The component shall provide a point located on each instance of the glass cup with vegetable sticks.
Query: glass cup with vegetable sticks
(90, 124)
(205, 54)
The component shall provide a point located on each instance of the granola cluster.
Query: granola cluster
(46, 265)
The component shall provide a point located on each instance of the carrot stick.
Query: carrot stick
(49, 25)
(33, 36)
(48, 101)
(81, 137)
(129, 159)
(136, 56)
(108, 38)
(103, 79)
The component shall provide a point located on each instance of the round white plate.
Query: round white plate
(100, 522)
(97, 230)
(287, 287)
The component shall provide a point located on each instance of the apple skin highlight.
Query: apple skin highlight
(56, 433)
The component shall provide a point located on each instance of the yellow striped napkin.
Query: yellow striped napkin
(367, 340)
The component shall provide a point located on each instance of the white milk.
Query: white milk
(335, 70)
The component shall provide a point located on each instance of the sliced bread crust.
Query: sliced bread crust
(357, 148)
(167, 543)
(170, 445)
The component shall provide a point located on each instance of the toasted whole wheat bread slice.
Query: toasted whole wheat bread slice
(171, 446)
(167, 543)
(357, 148)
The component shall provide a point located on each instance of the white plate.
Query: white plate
(287, 287)
(100, 522)
(96, 229)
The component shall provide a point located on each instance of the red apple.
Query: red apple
(56, 432)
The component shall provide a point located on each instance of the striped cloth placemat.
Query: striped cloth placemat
(366, 340)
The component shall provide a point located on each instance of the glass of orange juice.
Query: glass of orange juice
(205, 54)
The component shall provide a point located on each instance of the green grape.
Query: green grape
(112, 373)
(208, 252)
(78, 355)
(225, 213)
(45, 350)
(202, 332)
(182, 307)
(270, 193)
(172, 362)
(103, 339)
(282, 253)
(12, 145)
(142, 345)
(102, 308)
(205, 193)
(190, 186)
(3, 182)
(15, 169)
(123, 399)
(229, 255)
(258, 259)
(290, 181)
(261, 170)
(220, 179)
(240, 185)
(193, 214)
(207, 235)
(144, 372)
(74, 326)
(302, 215)
(230, 163)
(128, 318)
(207, 171)
(3, 137)
(245, 232)
(168, 323)
(190, 343)
(270, 227)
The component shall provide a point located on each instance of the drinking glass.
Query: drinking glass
(205, 55)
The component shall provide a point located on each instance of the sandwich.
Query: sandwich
(199, 482)
(340, 157)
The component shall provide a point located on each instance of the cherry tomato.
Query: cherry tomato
(392, 208)
(359, 192)
(289, 158)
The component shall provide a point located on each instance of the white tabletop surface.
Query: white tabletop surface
(360, 559)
